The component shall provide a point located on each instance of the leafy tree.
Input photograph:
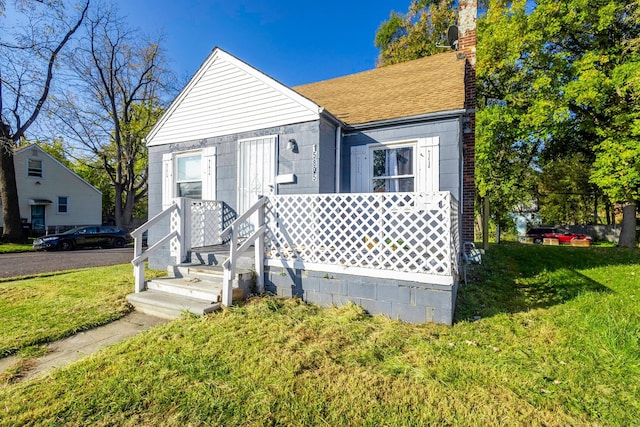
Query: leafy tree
(567, 72)
(515, 112)
(591, 39)
(504, 162)
(29, 54)
(56, 149)
(565, 194)
(417, 33)
(121, 78)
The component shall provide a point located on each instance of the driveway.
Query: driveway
(28, 263)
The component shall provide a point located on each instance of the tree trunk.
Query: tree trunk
(628, 232)
(124, 211)
(117, 207)
(12, 225)
(485, 223)
(128, 209)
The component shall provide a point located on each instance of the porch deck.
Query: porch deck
(402, 249)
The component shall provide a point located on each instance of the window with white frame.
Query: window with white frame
(189, 175)
(63, 204)
(393, 169)
(34, 168)
(398, 166)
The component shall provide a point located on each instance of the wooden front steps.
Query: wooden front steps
(195, 288)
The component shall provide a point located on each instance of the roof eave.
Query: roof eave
(406, 120)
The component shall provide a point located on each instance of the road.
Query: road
(28, 263)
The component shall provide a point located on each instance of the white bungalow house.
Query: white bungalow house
(358, 188)
(52, 197)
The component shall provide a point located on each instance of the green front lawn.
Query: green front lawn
(7, 248)
(545, 336)
(46, 308)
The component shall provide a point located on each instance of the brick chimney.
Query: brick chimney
(468, 12)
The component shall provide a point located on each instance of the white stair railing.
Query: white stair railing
(235, 251)
(178, 237)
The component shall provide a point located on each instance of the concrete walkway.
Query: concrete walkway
(82, 344)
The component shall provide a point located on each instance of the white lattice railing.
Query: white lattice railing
(208, 219)
(406, 236)
(192, 223)
(395, 235)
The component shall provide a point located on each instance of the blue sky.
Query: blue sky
(295, 42)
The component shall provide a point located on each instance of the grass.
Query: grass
(6, 248)
(555, 343)
(45, 308)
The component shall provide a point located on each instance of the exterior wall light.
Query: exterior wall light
(292, 145)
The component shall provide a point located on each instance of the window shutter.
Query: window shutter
(209, 173)
(168, 185)
(428, 165)
(359, 170)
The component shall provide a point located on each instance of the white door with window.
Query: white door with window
(406, 166)
(257, 169)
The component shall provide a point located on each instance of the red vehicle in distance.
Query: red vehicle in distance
(538, 234)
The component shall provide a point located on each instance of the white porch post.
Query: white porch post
(259, 252)
(182, 224)
(138, 268)
(229, 270)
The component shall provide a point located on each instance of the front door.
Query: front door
(37, 219)
(257, 170)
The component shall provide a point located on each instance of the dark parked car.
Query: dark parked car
(563, 236)
(102, 236)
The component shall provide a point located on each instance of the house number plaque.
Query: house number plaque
(314, 163)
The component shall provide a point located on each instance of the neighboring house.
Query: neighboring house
(331, 156)
(51, 196)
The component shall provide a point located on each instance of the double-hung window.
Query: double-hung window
(189, 175)
(400, 166)
(63, 204)
(393, 169)
(34, 168)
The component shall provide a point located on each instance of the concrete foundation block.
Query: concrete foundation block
(362, 290)
(393, 293)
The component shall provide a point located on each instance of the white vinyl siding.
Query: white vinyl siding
(227, 96)
(83, 201)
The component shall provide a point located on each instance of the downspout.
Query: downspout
(338, 155)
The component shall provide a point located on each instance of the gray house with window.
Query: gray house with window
(52, 197)
(355, 189)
